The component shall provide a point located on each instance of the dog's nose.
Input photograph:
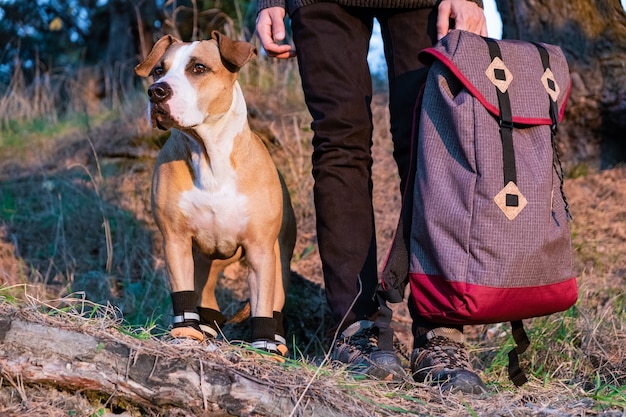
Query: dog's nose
(159, 92)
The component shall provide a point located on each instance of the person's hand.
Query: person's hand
(466, 14)
(270, 27)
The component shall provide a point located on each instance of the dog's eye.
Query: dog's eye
(199, 69)
(157, 72)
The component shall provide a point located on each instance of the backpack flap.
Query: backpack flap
(519, 71)
(490, 239)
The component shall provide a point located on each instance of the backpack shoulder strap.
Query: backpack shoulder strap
(516, 374)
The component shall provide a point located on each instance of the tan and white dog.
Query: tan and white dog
(216, 193)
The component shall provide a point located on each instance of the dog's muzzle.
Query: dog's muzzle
(159, 93)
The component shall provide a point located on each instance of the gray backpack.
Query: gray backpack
(484, 236)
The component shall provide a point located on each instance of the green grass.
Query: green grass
(151, 328)
(609, 396)
(12, 294)
(18, 135)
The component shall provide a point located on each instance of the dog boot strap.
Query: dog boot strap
(270, 346)
(279, 334)
(187, 318)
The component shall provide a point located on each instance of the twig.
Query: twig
(205, 405)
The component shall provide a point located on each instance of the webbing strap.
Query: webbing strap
(516, 374)
(187, 315)
(554, 109)
(545, 61)
(506, 121)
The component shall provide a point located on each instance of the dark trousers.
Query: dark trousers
(332, 44)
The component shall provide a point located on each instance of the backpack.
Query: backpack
(484, 234)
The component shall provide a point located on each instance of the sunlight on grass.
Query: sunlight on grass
(19, 135)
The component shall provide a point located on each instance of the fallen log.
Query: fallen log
(151, 374)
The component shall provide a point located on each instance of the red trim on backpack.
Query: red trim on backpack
(447, 302)
(491, 108)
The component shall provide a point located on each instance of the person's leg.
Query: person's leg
(332, 45)
(405, 33)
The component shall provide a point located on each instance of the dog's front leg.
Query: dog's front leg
(261, 277)
(262, 282)
(180, 268)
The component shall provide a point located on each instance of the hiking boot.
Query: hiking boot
(357, 346)
(443, 359)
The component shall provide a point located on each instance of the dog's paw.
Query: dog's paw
(208, 331)
(187, 332)
(270, 346)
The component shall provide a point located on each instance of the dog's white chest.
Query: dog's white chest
(217, 217)
(216, 211)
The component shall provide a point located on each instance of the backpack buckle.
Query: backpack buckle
(506, 124)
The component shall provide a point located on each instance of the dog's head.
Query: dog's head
(192, 81)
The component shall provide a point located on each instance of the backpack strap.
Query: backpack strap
(506, 117)
(395, 274)
(549, 85)
(501, 78)
(516, 374)
(554, 109)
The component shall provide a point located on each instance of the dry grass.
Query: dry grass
(75, 220)
(325, 385)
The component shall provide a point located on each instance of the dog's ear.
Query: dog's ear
(145, 68)
(235, 54)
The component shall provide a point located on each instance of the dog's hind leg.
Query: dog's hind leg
(284, 252)
(206, 274)
(280, 292)
(286, 241)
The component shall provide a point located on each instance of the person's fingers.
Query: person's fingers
(466, 14)
(472, 20)
(270, 28)
(443, 19)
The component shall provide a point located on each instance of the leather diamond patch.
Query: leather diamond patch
(549, 83)
(510, 200)
(499, 74)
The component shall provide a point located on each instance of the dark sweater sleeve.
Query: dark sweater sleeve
(264, 4)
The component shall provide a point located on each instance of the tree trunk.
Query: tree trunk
(130, 37)
(592, 35)
(158, 378)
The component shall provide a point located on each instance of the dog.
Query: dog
(216, 194)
